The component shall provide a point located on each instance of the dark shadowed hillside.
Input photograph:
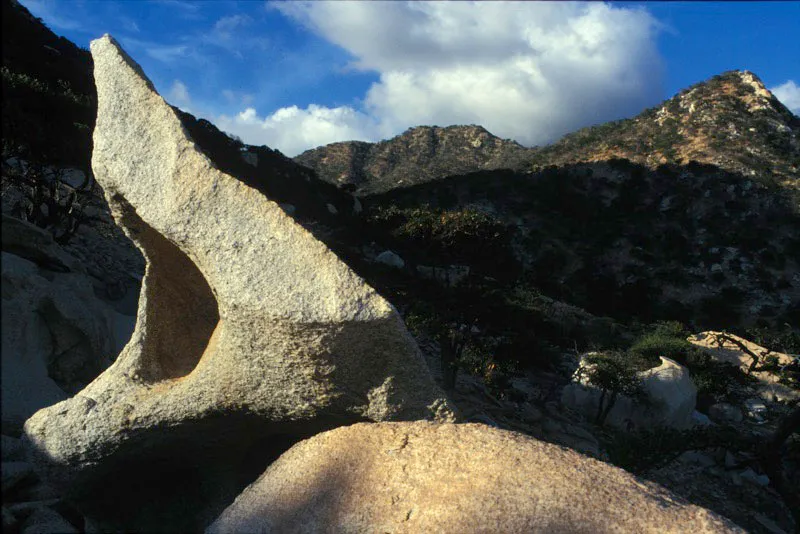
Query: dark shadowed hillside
(49, 101)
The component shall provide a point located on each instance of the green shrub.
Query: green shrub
(664, 339)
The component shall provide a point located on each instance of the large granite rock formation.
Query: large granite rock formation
(250, 333)
(423, 477)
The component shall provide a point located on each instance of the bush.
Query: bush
(664, 339)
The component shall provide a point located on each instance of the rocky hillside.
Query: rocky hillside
(693, 243)
(731, 121)
(418, 155)
(48, 93)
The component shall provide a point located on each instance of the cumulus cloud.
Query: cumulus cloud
(293, 130)
(528, 71)
(789, 94)
(179, 94)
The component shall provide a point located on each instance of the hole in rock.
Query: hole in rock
(182, 312)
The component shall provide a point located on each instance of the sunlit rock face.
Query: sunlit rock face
(250, 333)
(426, 477)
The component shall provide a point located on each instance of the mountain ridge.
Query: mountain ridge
(730, 120)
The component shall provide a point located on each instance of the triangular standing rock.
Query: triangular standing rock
(247, 328)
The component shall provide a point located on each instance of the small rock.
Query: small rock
(14, 473)
(750, 476)
(47, 521)
(696, 458)
(700, 419)
(768, 524)
(357, 208)
(730, 460)
(332, 209)
(288, 208)
(522, 388)
(552, 427)
(716, 268)
(530, 414)
(756, 409)
(723, 412)
(73, 177)
(387, 257)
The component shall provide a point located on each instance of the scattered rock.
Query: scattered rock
(249, 331)
(56, 337)
(35, 244)
(700, 419)
(530, 414)
(387, 257)
(722, 412)
(756, 409)
(750, 476)
(422, 477)
(768, 524)
(332, 209)
(696, 458)
(14, 473)
(47, 521)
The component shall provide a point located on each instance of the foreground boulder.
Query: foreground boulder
(250, 333)
(423, 477)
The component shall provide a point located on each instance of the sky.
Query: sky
(297, 75)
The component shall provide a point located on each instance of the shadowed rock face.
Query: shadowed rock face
(250, 333)
(424, 477)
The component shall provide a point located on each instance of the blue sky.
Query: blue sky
(297, 75)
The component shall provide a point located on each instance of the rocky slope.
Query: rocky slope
(731, 121)
(693, 243)
(48, 94)
(418, 155)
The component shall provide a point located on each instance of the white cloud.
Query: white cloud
(528, 71)
(167, 53)
(789, 94)
(179, 94)
(293, 130)
(47, 11)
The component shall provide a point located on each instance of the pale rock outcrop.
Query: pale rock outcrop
(727, 348)
(670, 399)
(250, 333)
(424, 477)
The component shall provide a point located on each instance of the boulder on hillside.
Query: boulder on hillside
(669, 399)
(250, 333)
(424, 477)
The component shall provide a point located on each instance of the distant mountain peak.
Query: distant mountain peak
(420, 154)
(730, 120)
